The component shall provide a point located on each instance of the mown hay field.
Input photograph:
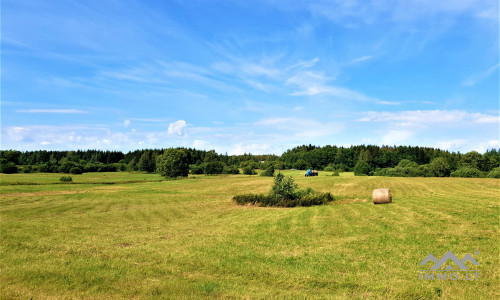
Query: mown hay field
(121, 235)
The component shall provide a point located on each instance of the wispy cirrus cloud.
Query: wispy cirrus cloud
(481, 76)
(361, 59)
(309, 83)
(415, 117)
(52, 111)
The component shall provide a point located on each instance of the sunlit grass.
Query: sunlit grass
(123, 235)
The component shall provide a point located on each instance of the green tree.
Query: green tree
(146, 162)
(440, 167)
(249, 170)
(75, 170)
(406, 163)
(283, 188)
(362, 168)
(300, 164)
(268, 172)
(7, 167)
(132, 165)
(173, 163)
(211, 156)
(214, 167)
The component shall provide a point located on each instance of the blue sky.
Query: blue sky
(249, 76)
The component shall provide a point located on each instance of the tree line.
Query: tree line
(362, 159)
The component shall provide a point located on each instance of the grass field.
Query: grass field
(121, 235)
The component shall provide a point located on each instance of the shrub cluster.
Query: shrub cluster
(249, 170)
(467, 172)
(7, 167)
(266, 200)
(268, 172)
(231, 170)
(213, 168)
(66, 179)
(285, 193)
(495, 173)
(418, 171)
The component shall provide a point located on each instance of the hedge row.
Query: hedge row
(267, 200)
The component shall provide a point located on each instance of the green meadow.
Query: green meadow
(134, 235)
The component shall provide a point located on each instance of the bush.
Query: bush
(27, 169)
(66, 179)
(329, 168)
(418, 171)
(197, 169)
(120, 167)
(214, 167)
(406, 163)
(249, 170)
(250, 199)
(495, 173)
(75, 170)
(267, 200)
(65, 167)
(467, 172)
(300, 164)
(90, 167)
(335, 173)
(45, 168)
(231, 170)
(342, 168)
(268, 172)
(106, 168)
(314, 199)
(362, 168)
(8, 167)
(439, 167)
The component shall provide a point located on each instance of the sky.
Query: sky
(249, 76)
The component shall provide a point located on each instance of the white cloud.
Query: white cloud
(126, 123)
(395, 137)
(455, 144)
(482, 147)
(53, 111)
(149, 120)
(304, 64)
(177, 128)
(199, 144)
(388, 102)
(17, 133)
(360, 59)
(260, 70)
(241, 148)
(416, 117)
(308, 83)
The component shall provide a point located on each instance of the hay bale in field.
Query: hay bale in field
(382, 196)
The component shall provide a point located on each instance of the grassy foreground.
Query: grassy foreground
(145, 238)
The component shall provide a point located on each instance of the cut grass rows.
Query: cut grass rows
(187, 239)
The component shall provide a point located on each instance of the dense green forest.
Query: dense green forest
(363, 160)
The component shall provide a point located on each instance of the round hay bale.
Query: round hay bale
(381, 196)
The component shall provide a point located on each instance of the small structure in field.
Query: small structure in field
(382, 196)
